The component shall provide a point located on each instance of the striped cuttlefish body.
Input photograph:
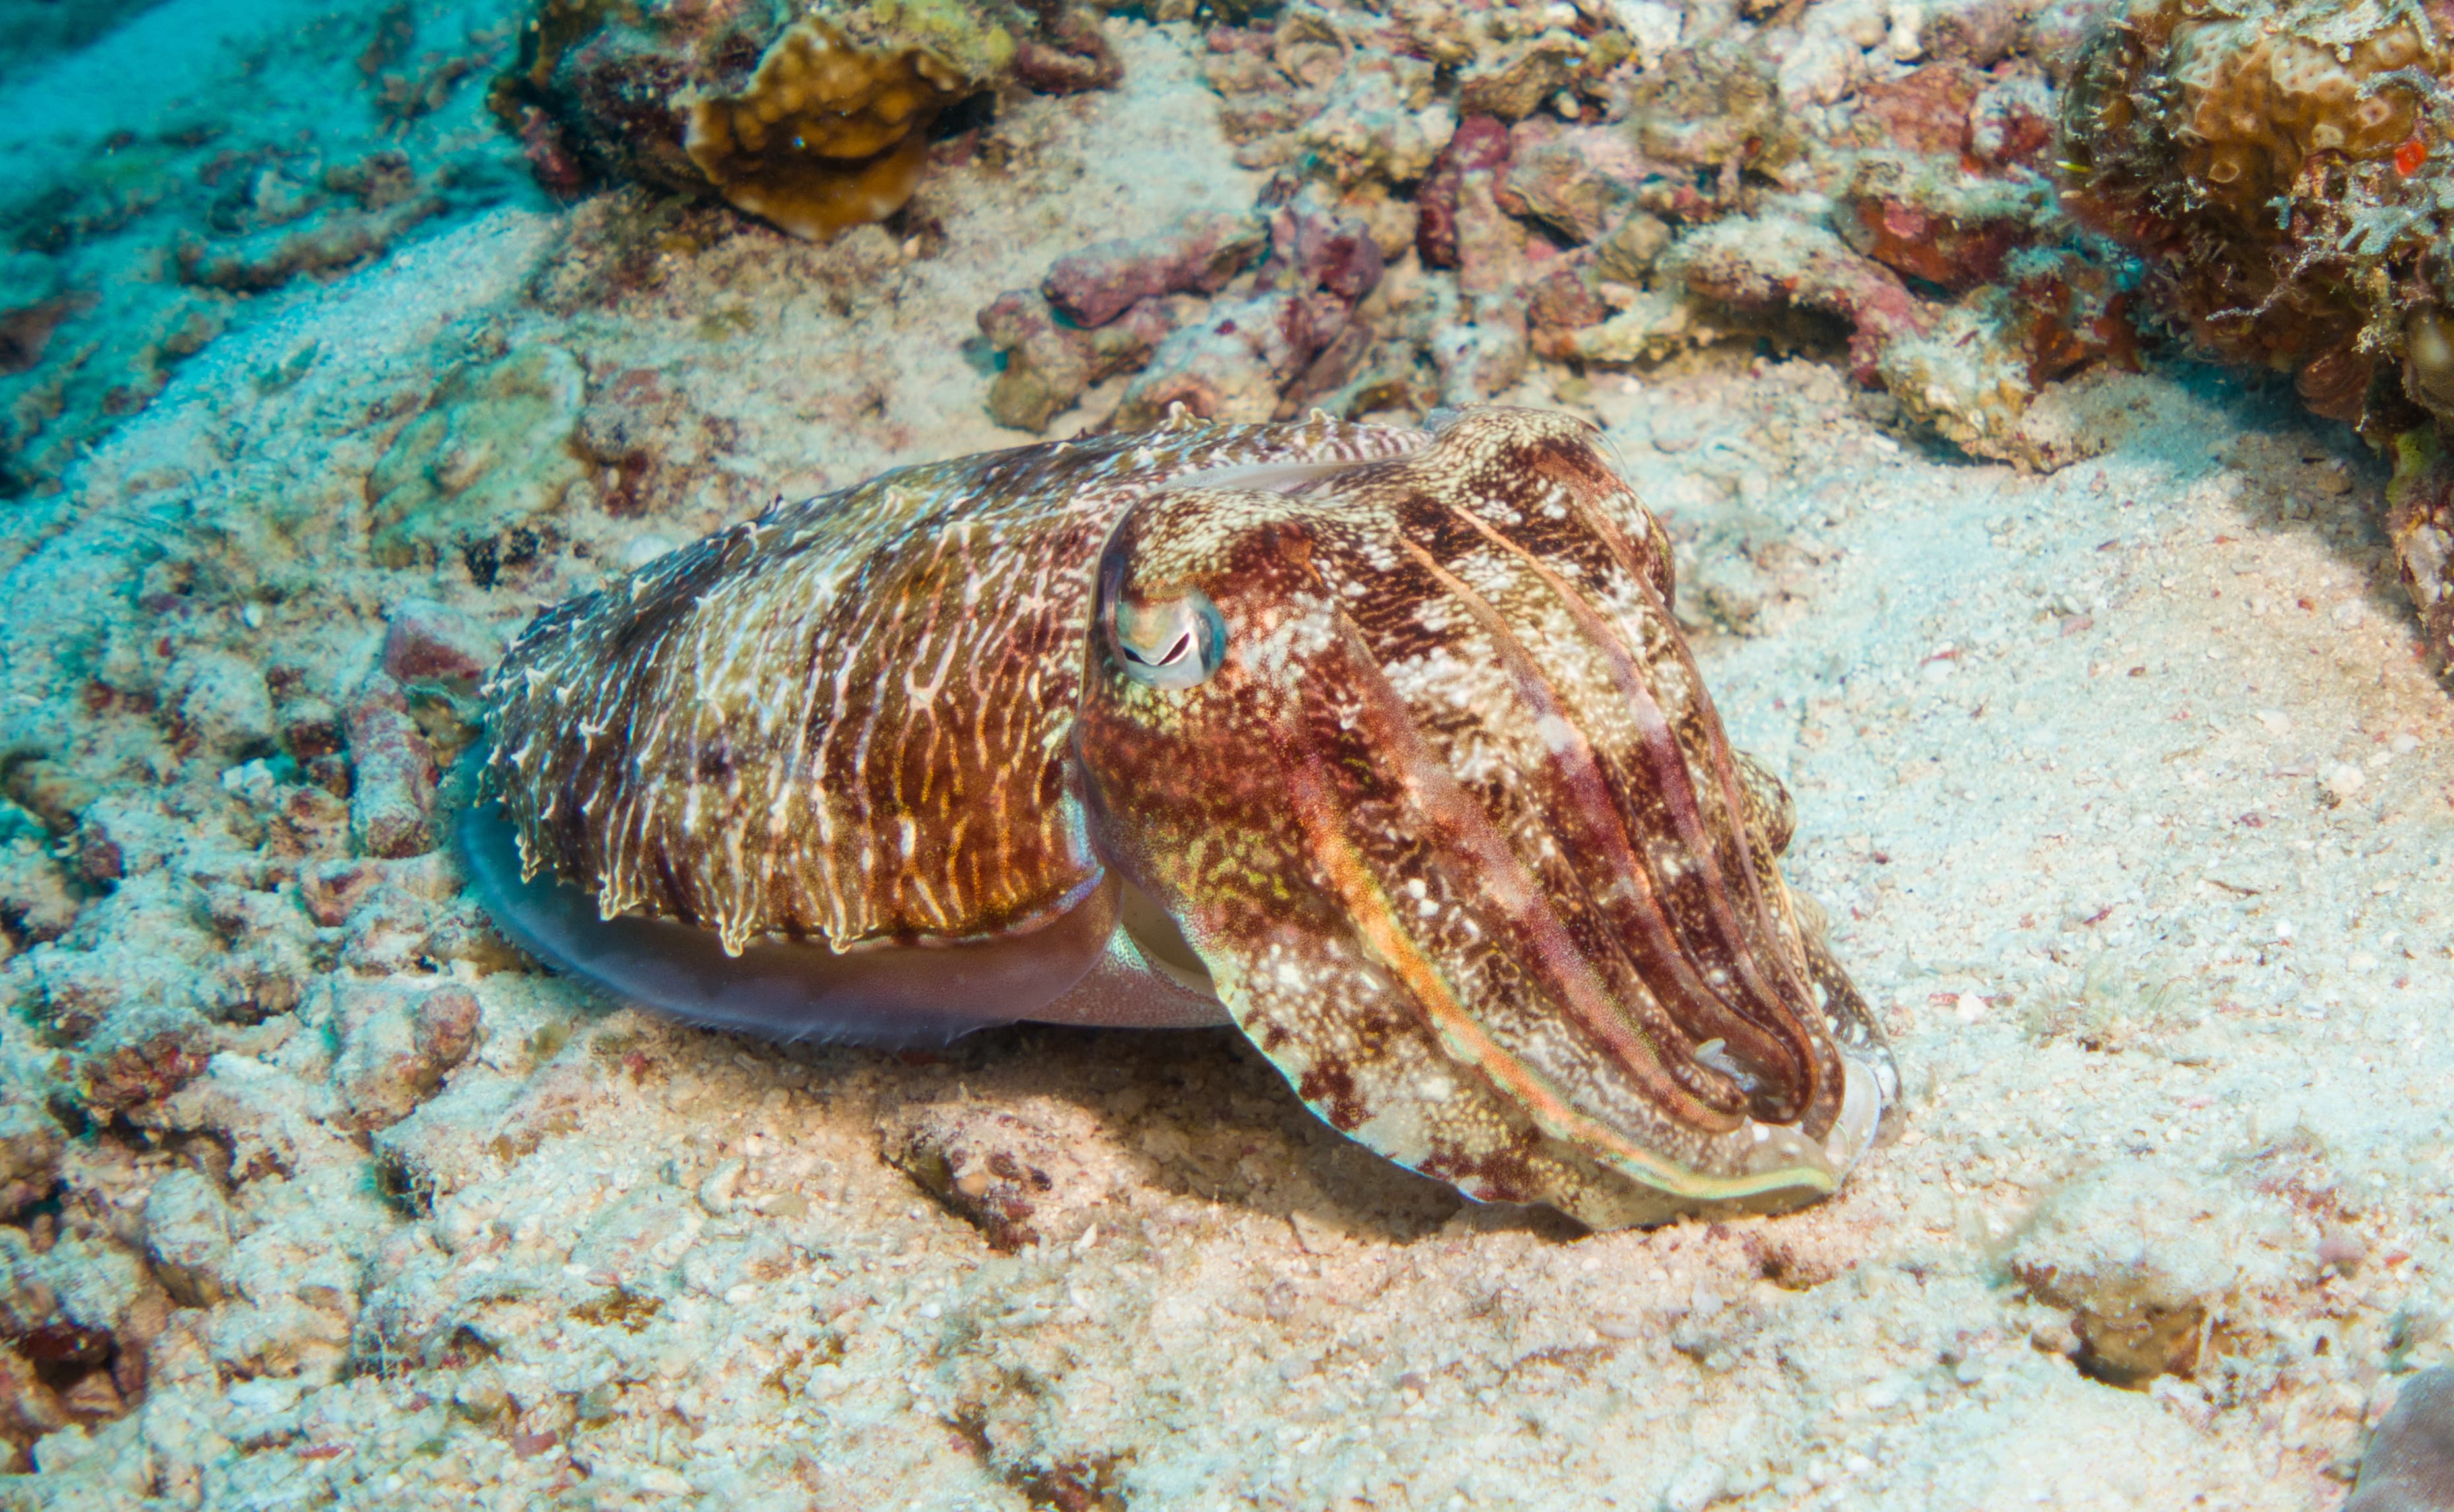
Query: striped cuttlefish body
(1382, 745)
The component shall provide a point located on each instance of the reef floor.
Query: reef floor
(2124, 785)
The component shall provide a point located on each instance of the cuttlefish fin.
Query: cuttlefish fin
(1269, 477)
(1082, 967)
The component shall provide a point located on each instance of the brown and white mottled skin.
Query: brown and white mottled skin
(1445, 823)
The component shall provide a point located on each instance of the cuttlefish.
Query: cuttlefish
(1380, 743)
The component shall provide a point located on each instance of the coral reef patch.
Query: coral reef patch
(815, 124)
(2283, 170)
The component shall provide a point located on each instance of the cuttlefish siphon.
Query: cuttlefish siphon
(1380, 743)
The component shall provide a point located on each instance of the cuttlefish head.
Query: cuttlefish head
(1418, 762)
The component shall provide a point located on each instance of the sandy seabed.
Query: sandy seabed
(2124, 787)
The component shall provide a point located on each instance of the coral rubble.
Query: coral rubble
(1616, 185)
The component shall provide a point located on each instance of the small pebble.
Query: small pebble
(1695, 1487)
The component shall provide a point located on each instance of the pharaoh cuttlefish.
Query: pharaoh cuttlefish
(1382, 745)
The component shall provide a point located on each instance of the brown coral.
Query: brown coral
(826, 135)
(815, 126)
(2274, 164)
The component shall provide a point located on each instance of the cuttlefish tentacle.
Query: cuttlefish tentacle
(1561, 799)
(1382, 745)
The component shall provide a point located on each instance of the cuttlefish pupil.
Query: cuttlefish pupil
(1457, 841)
(1177, 643)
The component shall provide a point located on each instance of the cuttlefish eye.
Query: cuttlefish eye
(1175, 643)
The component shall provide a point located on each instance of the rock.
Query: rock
(1312, 245)
(2011, 123)
(1234, 366)
(1021, 1175)
(492, 450)
(1379, 119)
(270, 257)
(393, 794)
(1480, 145)
(52, 791)
(2410, 1467)
(2158, 1265)
(1975, 31)
(1516, 85)
(1628, 253)
(81, 1312)
(1828, 60)
(282, 1336)
(635, 1239)
(1560, 305)
(35, 902)
(2059, 30)
(1490, 246)
(28, 1301)
(1479, 361)
(219, 701)
(1049, 365)
(1769, 262)
(415, 916)
(81, 990)
(1578, 183)
(396, 1045)
(307, 721)
(1717, 106)
(28, 1409)
(144, 1052)
(1943, 227)
(430, 643)
(656, 448)
(30, 1142)
(188, 1232)
(1068, 55)
(1094, 286)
